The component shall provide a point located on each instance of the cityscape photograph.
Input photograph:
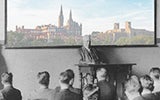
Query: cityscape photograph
(32, 23)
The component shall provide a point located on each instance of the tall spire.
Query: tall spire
(70, 16)
(61, 18)
(61, 11)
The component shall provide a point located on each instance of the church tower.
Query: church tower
(128, 27)
(70, 21)
(61, 18)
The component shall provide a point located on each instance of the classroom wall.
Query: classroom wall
(25, 63)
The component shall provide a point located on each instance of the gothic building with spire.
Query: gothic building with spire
(48, 31)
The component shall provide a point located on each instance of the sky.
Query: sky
(94, 15)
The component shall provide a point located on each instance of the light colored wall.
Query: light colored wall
(1, 19)
(25, 63)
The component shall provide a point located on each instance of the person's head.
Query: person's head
(70, 75)
(147, 82)
(6, 78)
(43, 78)
(155, 73)
(64, 79)
(89, 78)
(101, 74)
(132, 85)
(86, 41)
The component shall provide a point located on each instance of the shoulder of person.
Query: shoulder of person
(150, 96)
(139, 98)
(75, 90)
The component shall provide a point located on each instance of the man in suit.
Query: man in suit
(65, 93)
(106, 90)
(43, 93)
(9, 92)
(71, 76)
(89, 54)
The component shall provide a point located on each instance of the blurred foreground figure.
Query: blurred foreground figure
(9, 92)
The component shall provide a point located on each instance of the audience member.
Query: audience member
(43, 93)
(147, 87)
(155, 75)
(9, 92)
(132, 87)
(65, 93)
(71, 82)
(106, 90)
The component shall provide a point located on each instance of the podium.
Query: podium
(117, 73)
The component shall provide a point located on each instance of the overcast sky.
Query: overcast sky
(95, 15)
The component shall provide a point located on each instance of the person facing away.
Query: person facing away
(106, 90)
(71, 76)
(131, 89)
(43, 92)
(147, 87)
(65, 93)
(9, 92)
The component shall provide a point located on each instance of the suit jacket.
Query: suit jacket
(106, 90)
(67, 95)
(10, 93)
(89, 56)
(139, 98)
(157, 94)
(72, 89)
(150, 96)
(42, 94)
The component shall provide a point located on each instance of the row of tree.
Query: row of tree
(20, 40)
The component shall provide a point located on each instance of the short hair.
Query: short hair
(43, 78)
(64, 78)
(147, 82)
(104, 74)
(7, 77)
(156, 72)
(132, 85)
(70, 73)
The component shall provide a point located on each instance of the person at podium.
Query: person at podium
(89, 55)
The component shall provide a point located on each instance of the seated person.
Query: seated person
(155, 75)
(65, 93)
(132, 87)
(106, 90)
(9, 92)
(43, 93)
(71, 78)
(147, 87)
